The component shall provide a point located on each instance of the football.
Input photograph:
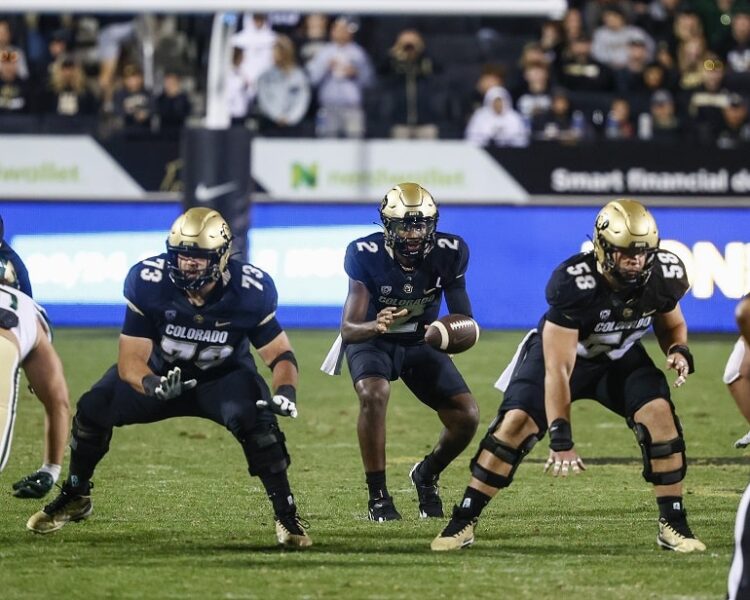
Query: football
(452, 333)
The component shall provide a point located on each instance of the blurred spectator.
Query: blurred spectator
(737, 48)
(610, 41)
(716, 16)
(593, 11)
(57, 47)
(238, 90)
(690, 57)
(115, 30)
(552, 41)
(708, 101)
(619, 125)
(67, 93)
(173, 105)
(572, 25)
(283, 92)
(630, 78)
(579, 71)
(313, 37)
(15, 96)
(11, 53)
(341, 71)
(133, 103)
(656, 77)
(407, 78)
(665, 126)
(496, 123)
(256, 41)
(658, 21)
(734, 129)
(534, 97)
(561, 123)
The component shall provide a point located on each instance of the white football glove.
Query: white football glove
(281, 405)
(743, 442)
(168, 387)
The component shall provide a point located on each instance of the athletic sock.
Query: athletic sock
(376, 484)
(473, 502)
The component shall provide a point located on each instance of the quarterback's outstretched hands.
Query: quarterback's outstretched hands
(564, 462)
(386, 317)
(167, 386)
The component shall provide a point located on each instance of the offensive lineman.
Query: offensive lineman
(396, 282)
(588, 346)
(184, 351)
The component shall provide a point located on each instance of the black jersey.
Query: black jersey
(443, 269)
(607, 323)
(203, 341)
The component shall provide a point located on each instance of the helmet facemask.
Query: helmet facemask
(203, 235)
(8, 274)
(627, 279)
(409, 216)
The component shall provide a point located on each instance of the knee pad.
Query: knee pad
(266, 452)
(506, 453)
(651, 450)
(87, 436)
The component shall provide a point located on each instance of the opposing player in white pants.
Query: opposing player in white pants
(25, 342)
(737, 371)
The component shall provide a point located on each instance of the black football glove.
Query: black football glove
(36, 485)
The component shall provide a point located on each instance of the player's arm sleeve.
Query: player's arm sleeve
(136, 323)
(268, 327)
(565, 301)
(21, 272)
(456, 296)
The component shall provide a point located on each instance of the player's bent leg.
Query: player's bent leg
(510, 437)
(659, 435)
(268, 458)
(460, 418)
(373, 394)
(739, 385)
(9, 373)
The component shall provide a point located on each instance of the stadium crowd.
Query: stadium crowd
(660, 70)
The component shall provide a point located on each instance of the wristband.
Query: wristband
(287, 391)
(560, 435)
(685, 352)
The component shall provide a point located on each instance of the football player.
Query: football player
(737, 370)
(184, 351)
(601, 303)
(397, 279)
(25, 341)
(21, 274)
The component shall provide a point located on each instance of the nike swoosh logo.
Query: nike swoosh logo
(649, 313)
(204, 193)
(430, 290)
(222, 323)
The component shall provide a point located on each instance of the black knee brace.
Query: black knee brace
(86, 437)
(266, 452)
(650, 450)
(506, 453)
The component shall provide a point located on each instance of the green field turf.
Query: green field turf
(176, 515)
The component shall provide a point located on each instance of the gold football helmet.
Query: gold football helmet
(198, 233)
(8, 274)
(625, 226)
(409, 215)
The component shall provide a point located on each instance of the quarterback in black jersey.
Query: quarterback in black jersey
(396, 282)
(184, 351)
(588, 346)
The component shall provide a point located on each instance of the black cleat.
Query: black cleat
(36, 485)
(382, 509)
(459, 533)
(430, 504)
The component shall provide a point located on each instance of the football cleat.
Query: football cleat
(36, 485)
(459, 533)
(68, 506)
(382, 509)
(430, 504)
(290, 531)
(676, 535)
